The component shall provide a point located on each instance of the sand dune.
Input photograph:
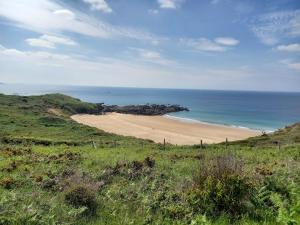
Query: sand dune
(157, 128)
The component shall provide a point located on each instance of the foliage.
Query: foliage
(81, 196)
(221, 188)
(286, 212)
(50, 173)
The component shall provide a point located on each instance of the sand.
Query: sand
(157, 128)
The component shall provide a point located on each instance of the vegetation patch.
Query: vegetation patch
(221, 187)
(81, 196)
(56, 171)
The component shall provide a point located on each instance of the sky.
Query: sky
(193, 44)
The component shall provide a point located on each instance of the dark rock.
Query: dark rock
(148, 110)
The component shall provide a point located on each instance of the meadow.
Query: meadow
(56, 171)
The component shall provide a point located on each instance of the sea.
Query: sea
(265, 111)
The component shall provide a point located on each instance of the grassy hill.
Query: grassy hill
(56, 171)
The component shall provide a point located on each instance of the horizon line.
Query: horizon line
(160, 88)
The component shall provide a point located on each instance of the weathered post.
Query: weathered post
(201, 144)
(279, 145)
(226, 143)
(164, 144)
(94, 145)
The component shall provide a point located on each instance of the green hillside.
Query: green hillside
(56, 171)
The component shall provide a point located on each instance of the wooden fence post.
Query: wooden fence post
(164, 144)
(226, 143)
(94, 145)
(201, 144)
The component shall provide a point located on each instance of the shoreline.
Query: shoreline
(189, 120)
(158, 128)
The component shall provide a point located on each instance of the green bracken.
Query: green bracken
(56, 171)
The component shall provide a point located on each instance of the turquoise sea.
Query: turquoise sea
(266, 111)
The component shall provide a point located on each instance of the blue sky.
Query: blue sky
(199, 44)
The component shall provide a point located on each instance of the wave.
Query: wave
(189, 120)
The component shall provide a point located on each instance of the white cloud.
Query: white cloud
(226, 41)
(291, 64)
(32, 55)
(45, 67)
(150, 54)
(203, 44)
(100, 5)
(36, 42)
(49, 41)
(12, 52)
(289, 48)
(294, 65)
(58, 40)
(153, 57)
(46, 16)
(270, 28)
(48, 68)
(65, 13)
(169, 4)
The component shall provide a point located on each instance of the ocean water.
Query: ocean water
(266, 111)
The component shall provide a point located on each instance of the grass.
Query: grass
(45, 156)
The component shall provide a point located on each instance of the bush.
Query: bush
(149, 162)
(81, 196)
(229, 195)
(7, 182)
(221, 188)
(219, 167)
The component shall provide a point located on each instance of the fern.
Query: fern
(295, 200)
(261, 197)
(200, 220)
(284, 216)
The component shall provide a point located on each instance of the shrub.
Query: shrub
(81, 196)
(149, 162)
(49, 184)
(136, 165)
(7, 182)
(220, 187)
(277, 185)
(219, 167)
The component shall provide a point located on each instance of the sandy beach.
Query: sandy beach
(157, 128)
